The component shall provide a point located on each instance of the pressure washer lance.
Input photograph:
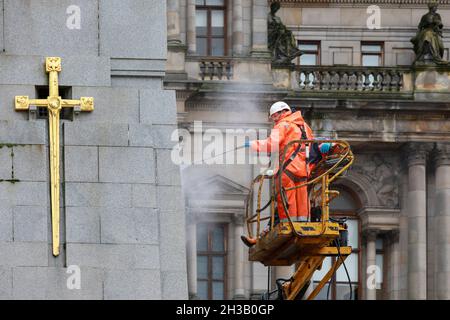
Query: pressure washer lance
(220, 154)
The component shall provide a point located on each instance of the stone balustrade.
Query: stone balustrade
(216, 69)
(349, 78)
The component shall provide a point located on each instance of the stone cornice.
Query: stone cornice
(419, 3)
(441, 154)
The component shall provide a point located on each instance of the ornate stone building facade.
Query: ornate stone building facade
(355, 81)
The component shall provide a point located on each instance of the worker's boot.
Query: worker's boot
(249, 242)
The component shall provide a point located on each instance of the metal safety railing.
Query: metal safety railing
(318, 183)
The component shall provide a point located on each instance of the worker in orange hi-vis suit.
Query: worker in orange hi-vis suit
(288, 126)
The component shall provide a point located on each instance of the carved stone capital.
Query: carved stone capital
(238, 219)
(369, 234)
(416, 153)
(393, 236)
(441, 154)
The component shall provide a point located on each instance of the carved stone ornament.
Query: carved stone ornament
(382, 171)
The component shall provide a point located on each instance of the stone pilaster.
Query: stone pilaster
(370, 237)
(238, 28)
(192, 260)
(416, 156)
(173, 22)
(190, 27)
(238, 221)
(441, 157)
(260, 10)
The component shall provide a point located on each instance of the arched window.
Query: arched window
(345, 205)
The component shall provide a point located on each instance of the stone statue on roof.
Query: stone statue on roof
(281, 41)
(428, 45)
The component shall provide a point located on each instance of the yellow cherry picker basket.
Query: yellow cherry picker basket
(305, 244)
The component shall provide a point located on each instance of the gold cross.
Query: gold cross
(54, 104)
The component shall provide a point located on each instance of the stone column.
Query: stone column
(417, 219)
(190, 27)
(371, 236)
(173, 22)
(238, 220)
(192, 260)
(260, 10)
(238, 28)
(394, 265)
(441, 157)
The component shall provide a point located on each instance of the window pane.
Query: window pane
(217, 22)
(343, 202)
(343, 291)
(371, 48)
(201, 47)
(202, 289)
(379, 244)
(371, 61)
(218, 47)
(326, 265)
(218, 239)
(202, 267)
(215, 2)
(307, 46)
(379, 275)
(200, 2)
(217, 268)
(323, 293)
(201, 22)
(308, 59)
(352, 267)
(353, 233)
(202, 237)
(217, 288)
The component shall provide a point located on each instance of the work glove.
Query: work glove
(325, 147)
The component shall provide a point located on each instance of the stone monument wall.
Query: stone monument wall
(122, 220)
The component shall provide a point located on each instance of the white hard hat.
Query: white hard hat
(278, 106)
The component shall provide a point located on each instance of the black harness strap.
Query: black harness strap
(297, 150)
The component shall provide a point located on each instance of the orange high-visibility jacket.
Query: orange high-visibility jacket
(284, 131)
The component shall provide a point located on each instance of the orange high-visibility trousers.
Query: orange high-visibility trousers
(297, 199)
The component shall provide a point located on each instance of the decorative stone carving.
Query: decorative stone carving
(382, 172)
